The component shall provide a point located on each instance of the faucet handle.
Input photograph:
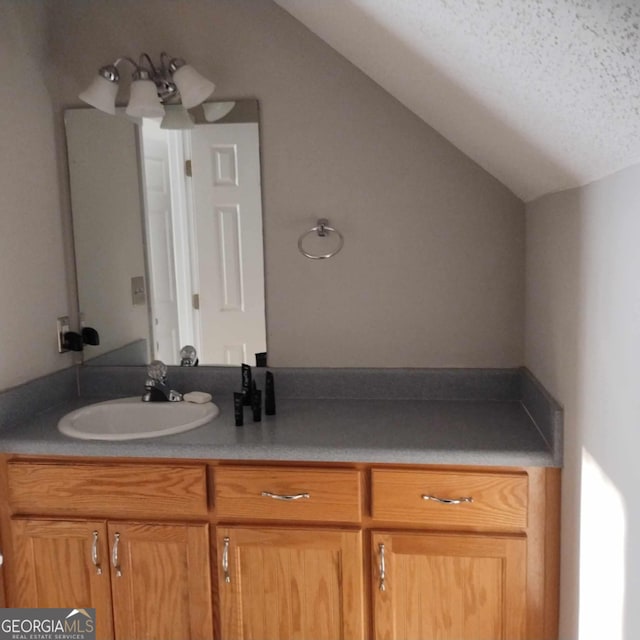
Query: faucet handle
(188, 356)
(157, 371)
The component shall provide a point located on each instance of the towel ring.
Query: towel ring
(322, 229)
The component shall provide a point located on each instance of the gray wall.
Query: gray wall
(582, 343)
(32, 263)
(433, 266)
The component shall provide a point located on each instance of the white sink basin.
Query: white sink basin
(132, 419)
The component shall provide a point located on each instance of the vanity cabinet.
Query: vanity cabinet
(239, 550)
(146, 578)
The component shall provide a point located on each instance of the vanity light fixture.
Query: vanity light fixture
(151, 86)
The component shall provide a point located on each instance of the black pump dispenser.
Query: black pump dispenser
(270, 395)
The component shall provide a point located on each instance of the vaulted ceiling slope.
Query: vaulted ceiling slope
(544, 94)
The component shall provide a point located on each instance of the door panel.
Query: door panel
(54, 567)
(3, 602)
(290, 584)
(450, 587)
(161, 586)
(228, 221)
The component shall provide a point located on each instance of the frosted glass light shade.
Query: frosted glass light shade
(101, 94)
(177, 117)
(144, 101)
(214, 111)
(194, 88)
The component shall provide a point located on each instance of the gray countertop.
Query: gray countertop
(415, 431)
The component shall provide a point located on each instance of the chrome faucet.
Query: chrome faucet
(156, 389)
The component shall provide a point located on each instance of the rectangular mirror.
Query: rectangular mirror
(167, 230)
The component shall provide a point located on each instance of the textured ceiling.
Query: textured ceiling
(544, 94)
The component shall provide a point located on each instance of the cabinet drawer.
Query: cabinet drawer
(451, 498)
(323, 495)
(117, 490)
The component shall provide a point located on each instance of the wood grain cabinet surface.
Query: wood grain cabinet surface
(116, 490)
(449, 586)
(295, 494)
(163, 587)
(3, 601)
(435, 498)
(59, 563)
(150, 581)
(290, 583)
(239, 550)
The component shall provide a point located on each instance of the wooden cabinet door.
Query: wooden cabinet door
(286, 584)
(62, 564)
(448, 586)
(3, 602)
(161, 584)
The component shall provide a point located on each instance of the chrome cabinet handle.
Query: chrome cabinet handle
(225, 559)
(94, 554)
(277, 496)
(447, 500)
(1, 559)
(383, 574)
(114, 555)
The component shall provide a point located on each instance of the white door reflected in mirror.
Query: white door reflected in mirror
(204, 238)
(230, 324)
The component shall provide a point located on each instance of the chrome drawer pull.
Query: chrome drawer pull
(114, 555)
(383, 576)
(447, 500)
(94, 554)
(276, 496)
(225, 559)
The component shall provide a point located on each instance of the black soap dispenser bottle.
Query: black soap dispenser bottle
(270, 395)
